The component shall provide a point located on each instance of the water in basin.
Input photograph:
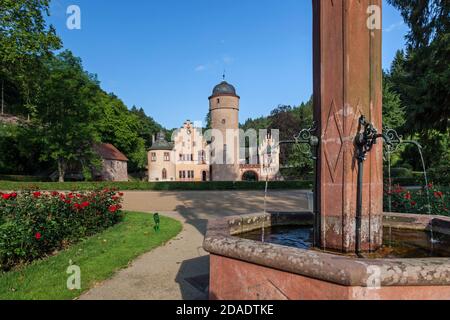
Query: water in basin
(398, 243)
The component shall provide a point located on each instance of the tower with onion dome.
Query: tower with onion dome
(224, 109)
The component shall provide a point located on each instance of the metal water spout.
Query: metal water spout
(366, 139)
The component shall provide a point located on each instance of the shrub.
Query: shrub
(435, 201)
(440, 175)
(34, 224)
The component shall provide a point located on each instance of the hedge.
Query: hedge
(420, 181)
(399, 173)
(34, 224)
(196, 186)
(157, 186)
(21, 178)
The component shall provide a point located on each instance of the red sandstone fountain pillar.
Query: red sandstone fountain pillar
(347, 84)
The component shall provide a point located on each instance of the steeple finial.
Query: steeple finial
(224, 74)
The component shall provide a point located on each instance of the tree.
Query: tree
(299, 158)
(124, 129)
(422, 74)
(208, 121)
(23, 30)
(24, 39)
(147, 127)
(394, 115)
(66, 114)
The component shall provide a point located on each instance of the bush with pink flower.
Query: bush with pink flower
(34, 224)
(429, 200)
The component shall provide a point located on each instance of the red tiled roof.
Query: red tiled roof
(108, 152)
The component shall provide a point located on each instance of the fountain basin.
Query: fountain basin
(246, 270)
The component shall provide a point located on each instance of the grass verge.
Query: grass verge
(98, 257)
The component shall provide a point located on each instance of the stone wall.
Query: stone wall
(114, 170)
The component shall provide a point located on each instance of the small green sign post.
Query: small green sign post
(157, 220)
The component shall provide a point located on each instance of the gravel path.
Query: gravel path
(180, 269)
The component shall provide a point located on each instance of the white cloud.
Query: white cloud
(200, 68)
(394, 26)
(227, 59)
(221, 62)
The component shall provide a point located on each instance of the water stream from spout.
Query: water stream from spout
(389, 179)
(427, 187)
(266, 189)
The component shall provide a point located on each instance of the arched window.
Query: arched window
(164, 174)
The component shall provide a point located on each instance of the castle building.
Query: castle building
(219, 154)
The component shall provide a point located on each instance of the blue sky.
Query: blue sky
(166, 55)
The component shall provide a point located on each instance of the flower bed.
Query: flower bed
(430, 200)
(36, 224)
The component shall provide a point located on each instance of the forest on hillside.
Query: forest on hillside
(54, 110)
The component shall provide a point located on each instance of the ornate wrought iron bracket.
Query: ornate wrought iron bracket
(307, 136)
(366, 139)
(392, 139)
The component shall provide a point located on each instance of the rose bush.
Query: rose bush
(35, 224)
(435, 201)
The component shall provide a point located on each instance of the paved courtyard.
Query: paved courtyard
(180, 269)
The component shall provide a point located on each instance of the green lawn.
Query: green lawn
(99, 257)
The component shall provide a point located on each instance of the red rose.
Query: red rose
(121, 194)
(413, 203)
(85, 204)
(54, 193)
(37, 194)
(408, 196)
(14, 195)
(6, 196)
(439, 194)
(112, 209)
(38, 235)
